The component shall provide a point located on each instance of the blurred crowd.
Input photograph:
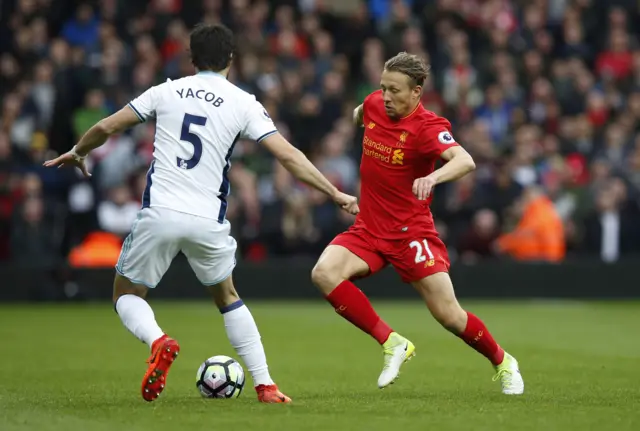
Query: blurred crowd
(545, 94)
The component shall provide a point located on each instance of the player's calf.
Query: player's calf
(478, 337)
(244, 337)
(138, 317)
(437, 292)
(134, 312)
(332, 273)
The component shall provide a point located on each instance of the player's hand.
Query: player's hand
(347, 202)
(70, 158)
(422, 187)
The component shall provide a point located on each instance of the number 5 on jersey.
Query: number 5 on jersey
(420, 257)
(188, 136)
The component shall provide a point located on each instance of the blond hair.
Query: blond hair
(410, 65)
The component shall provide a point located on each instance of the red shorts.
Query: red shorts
(415, 258)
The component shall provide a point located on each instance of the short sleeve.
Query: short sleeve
(369, 101)
(145, 105)
(259, 124)
(438, 138)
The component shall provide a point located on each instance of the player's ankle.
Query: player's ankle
(381, 332)
(155, 342)
(263, 380)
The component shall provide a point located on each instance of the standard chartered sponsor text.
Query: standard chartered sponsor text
(376, 150)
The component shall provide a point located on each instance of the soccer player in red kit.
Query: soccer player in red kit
(401, 144)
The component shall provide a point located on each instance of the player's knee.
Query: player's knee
(324, 277)
(122, 286)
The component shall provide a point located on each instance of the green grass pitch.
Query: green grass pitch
(75, 367)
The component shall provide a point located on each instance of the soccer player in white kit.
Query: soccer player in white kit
(199, 118)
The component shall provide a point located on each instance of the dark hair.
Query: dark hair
(212, 47)
(409, 64)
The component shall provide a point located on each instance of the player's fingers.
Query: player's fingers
(414, 189)
(84, 170)
(423, 190)
(427, 191)
(351, 207)
(53, 162)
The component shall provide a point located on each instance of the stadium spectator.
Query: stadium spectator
(543, 94)
(117, 213)
(32, 239)
(477, 242)
(539, 233)
(611, 228)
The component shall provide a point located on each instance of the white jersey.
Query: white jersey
(198, 121)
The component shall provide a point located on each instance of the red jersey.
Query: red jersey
(395, 154)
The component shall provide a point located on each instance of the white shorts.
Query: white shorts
(159, 234)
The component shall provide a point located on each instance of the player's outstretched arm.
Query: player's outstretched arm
(459, 163)
(95, 137)
(300, 167)
(358, 116)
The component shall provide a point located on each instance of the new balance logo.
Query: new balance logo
(341, 309)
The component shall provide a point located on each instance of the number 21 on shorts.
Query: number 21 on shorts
(420, 249)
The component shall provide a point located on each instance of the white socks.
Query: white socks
(137, 316)
(245, 339)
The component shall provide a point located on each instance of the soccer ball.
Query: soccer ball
(220, 377)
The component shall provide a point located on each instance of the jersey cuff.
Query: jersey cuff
(442, 148)
(140, 117)
(266, 135)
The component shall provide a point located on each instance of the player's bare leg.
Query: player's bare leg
(244, 336)
(137, 316)
(437, 292)
(332, 275)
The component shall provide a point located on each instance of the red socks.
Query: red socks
(477, 336)
(353, 305)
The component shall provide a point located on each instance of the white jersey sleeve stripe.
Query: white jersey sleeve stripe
(258, 123)
(225, 186)
(266, 135)
(146, 195)
(133, 108)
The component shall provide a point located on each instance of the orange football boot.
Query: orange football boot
(163, 352)
(271, 395)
